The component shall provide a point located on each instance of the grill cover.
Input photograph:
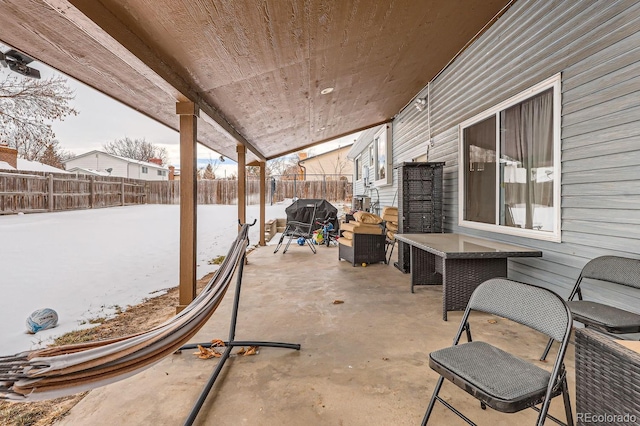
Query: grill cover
(296, 211)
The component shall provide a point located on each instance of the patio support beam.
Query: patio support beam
(242, 183)
(263, 198)
(188, 112)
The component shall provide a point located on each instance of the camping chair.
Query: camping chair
(617, 270)
(498, 379)
(302, 228)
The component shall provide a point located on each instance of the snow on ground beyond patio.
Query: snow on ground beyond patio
(86, 263)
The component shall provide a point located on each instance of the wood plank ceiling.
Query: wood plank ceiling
(255, 67)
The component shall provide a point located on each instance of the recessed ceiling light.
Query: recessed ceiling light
(326, 91)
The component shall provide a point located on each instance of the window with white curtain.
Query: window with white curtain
(510, 165)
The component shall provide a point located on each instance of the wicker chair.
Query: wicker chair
(617, 270)
(498, 379)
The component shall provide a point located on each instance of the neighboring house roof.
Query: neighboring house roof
(326, 153)
(6, 166)
(83, 171)
(34, 166)
(128, 160)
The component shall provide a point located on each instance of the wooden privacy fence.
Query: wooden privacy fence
(40, 192)
(329, 189)
(222, 191)
(216, 191)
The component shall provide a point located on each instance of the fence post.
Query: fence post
(91, 191)
(324, 187)
(50, 192)
(122, 192)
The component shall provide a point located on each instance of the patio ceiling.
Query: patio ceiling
(255, 68)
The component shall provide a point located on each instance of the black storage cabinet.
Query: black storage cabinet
(419, 204)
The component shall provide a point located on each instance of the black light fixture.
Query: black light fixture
(17, 62)
(222, 159)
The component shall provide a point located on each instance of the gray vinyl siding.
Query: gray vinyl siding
(384, 195)
(595, 45)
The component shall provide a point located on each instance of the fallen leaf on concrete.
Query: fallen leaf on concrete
(337, 302)
(218, 343)
(384, 358)
(253, 350)
(492, 321)
(207, 353)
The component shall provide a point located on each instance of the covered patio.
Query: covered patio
(257, 81)
(362, 362)
(252, 81)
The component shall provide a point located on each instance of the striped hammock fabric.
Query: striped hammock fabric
(64, 370)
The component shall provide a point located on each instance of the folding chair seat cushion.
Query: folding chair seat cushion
(503, 381)
(611, 319)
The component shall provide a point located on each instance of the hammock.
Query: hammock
(65, 370)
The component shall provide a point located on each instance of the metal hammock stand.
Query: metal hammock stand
(229, 345)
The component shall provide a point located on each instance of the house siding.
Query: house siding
(595, 45)
(120, 167)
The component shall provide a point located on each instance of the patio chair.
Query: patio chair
(390, 244)
(497, 378)
(620, 271)
(301, 228)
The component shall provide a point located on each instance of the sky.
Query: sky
(63, 261)
(102, 119)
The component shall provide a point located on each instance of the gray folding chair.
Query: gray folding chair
(497, 378)
(620, 271)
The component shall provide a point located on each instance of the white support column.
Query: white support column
(188, 112)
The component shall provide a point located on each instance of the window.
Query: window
(358, 167)
(145, 169)
(381, 162)
(510, 165)
(160, 173)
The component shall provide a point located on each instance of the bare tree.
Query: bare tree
(54, 155)
(208, 172)
(27, 108)
(277, 167)
(136, 149)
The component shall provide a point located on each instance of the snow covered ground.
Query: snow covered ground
(88, 263)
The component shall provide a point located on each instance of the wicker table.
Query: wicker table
(459, 262)
(607, 380)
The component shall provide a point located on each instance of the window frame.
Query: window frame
(555, 83)
(383, 134)
(145, 170)
(358, 167)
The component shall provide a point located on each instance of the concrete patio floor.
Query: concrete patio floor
(362, 362)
